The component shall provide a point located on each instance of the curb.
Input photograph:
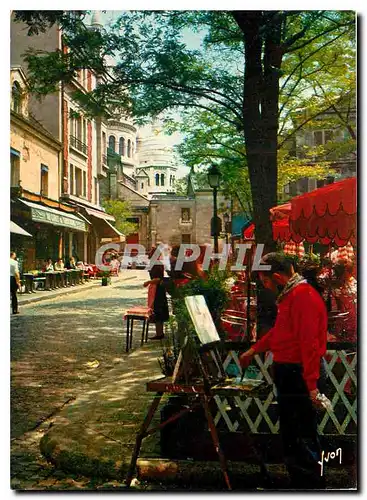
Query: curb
(185, 473)
(70, 291)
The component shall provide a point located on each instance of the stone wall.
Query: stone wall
(166, 220)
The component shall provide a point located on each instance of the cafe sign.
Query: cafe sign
(48, 217)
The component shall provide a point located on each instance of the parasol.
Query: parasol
(279, 215)
(326, 215)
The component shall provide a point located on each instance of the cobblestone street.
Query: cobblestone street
(58, 347)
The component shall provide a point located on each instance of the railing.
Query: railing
(77, 144)
(260, 415)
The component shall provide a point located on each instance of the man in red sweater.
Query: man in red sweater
(298, 342)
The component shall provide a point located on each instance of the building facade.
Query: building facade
(335, 134)
(83, 157)
(35, 161)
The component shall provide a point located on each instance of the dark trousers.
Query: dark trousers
(13, 291)
(298, 427)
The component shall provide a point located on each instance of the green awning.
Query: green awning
(47, 215)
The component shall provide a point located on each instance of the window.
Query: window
(103, 143)
(112, 143)
(129, 148)
(78, 181)
(185, 214)
(72, 185)
(328, 136)
(122, 146)
(157, 179)
(84, 184)
(44, 180)
(14, 168)
(186, 238)
(17, 98)
(321, 137)
(162, 179)
(170, 180)
(142, 185)
(84, 132)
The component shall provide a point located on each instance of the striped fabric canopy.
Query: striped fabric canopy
(292, 248)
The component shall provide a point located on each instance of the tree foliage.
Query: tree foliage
(121, 210)
(254, 71)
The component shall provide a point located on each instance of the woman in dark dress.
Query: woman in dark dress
(160, 306)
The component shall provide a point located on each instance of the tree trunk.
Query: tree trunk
(263, 57)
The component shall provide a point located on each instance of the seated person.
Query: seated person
(49, 265)
(71, 264)
(59, 265)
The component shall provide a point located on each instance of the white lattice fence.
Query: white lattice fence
(260, 415)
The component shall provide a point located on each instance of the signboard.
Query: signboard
(39, 215)
(202, 319)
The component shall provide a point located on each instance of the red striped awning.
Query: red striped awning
(326, 215)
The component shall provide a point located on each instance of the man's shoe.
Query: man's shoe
(156, 337)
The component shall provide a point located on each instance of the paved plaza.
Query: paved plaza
(59, 347)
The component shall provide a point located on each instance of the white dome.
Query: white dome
(153, 148)
(96, 19)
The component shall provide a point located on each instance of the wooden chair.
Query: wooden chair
(140, 314)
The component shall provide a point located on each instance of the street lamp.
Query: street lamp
(226, 225)
(214, 180)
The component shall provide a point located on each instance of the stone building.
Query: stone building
(326, 129)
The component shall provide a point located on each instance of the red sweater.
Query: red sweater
(300, 331)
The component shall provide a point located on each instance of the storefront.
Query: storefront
(101, 231)
(55, 233)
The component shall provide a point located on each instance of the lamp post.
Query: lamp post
(226, 224)
(214, 180)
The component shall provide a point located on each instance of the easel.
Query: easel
(211, 383)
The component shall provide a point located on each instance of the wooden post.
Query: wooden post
(70, 245)
(61, 245)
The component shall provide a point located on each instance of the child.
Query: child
(160, 304)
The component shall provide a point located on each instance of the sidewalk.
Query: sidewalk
(95, 436)
(29, 298)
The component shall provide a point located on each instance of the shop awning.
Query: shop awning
(47, 215)
(99, 214)
(105, 230)
(15, 229)
(326, 215)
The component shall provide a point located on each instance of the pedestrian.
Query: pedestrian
(160, 304)
(298, 343)
(14, 282)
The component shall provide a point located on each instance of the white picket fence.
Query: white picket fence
(261, 415)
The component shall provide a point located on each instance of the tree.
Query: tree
(121, 211)
(208, 140)
(235, 77)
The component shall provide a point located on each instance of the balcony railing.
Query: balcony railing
(77, 144)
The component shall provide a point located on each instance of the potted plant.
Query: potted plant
(106, 277)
